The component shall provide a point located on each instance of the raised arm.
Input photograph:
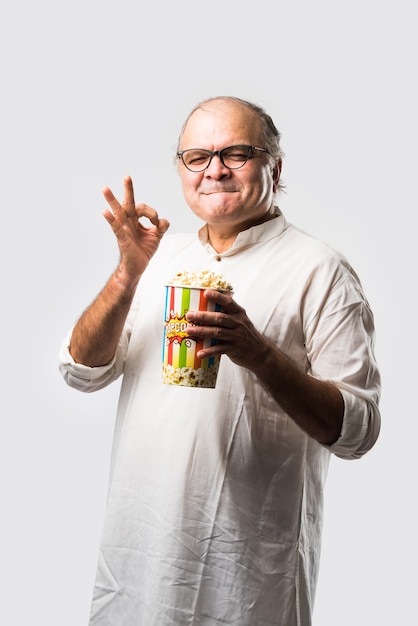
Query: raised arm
(96, 334)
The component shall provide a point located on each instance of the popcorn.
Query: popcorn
(205, 278)
(189, 377)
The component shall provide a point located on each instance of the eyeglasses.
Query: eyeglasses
(232, 157)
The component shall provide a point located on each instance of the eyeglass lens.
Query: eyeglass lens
(232, 157)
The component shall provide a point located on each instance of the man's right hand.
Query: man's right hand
(137, 244)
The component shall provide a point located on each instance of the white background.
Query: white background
(92, 91)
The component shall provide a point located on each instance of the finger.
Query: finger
(216, 349)
(196, 331)
(129, 197)
(117, 210)
(162, 226)
(143, 210)
(111, 200)
(115, 223)
(127, 208)
(214, 324)
(224, 299)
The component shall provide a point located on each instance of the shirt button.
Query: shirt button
(218, 258)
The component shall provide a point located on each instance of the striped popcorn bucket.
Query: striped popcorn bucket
(181, 366)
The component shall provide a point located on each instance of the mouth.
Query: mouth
(212, 190)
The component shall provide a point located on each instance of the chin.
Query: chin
(218, 208)
(218, 214)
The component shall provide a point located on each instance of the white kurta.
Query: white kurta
(215, 502)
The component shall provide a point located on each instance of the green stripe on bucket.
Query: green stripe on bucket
(185, 306)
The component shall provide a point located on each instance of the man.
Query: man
(215, 501)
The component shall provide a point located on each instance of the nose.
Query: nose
(216, 169)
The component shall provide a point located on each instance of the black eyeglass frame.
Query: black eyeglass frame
(218, 153)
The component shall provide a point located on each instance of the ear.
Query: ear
(277, 170)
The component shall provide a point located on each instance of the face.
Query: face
(220, 196)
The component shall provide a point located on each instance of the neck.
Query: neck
(222, 236)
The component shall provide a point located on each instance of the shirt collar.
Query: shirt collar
(249, 237)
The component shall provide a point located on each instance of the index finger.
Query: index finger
(143, 210)
(224, 298)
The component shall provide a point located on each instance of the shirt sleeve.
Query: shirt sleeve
(88, 379)
(361, 425)
(340, 344)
